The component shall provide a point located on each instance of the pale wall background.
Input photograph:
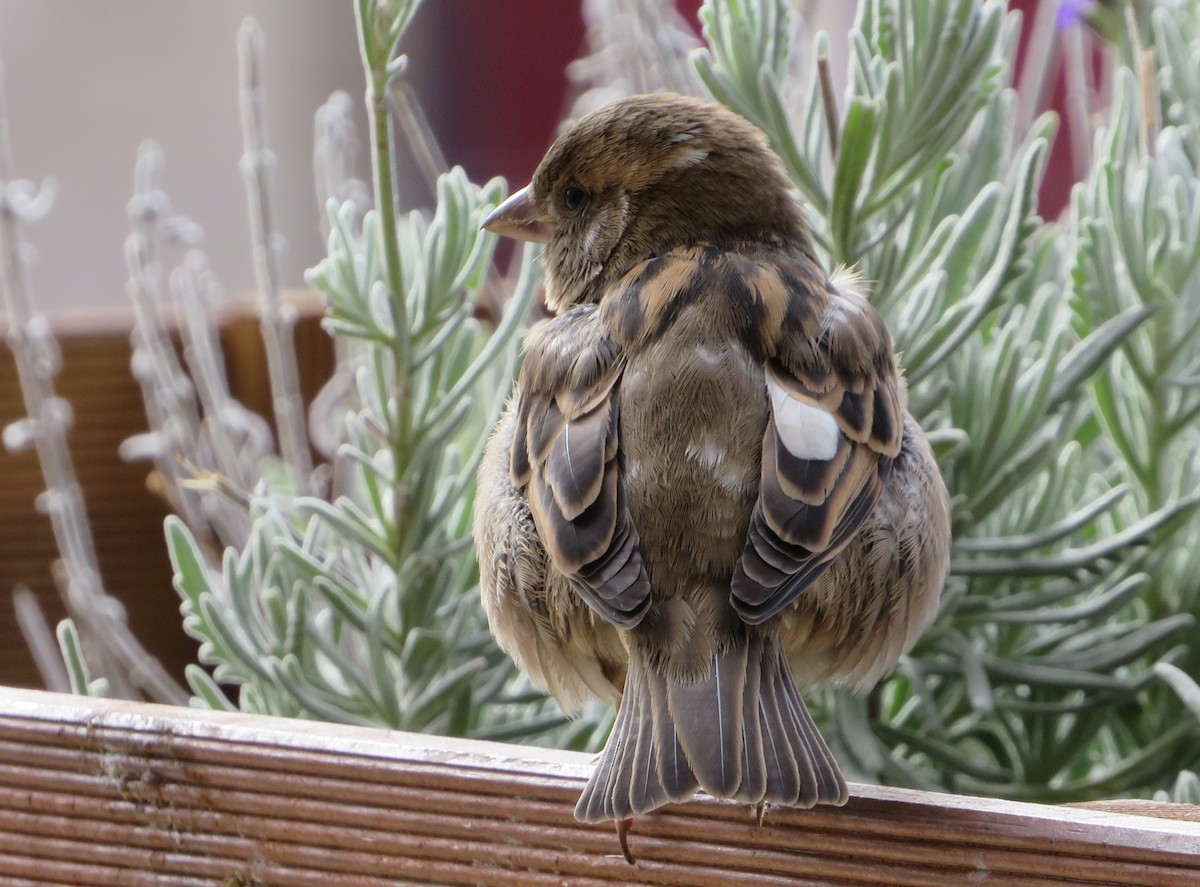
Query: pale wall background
(87, 81)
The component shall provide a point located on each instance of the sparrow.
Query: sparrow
(706, 483)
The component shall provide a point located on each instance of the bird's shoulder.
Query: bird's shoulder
(569, 354)
(837, 423)
(570, 367)
(748, 292)
(839, 356)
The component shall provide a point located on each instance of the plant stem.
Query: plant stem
(376, 64)
(35, 352)
(276, 325)
(829, 104)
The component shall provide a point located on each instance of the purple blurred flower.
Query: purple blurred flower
(1072, 13)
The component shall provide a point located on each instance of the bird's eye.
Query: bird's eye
(573, 197)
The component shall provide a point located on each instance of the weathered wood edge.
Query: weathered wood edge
(446, 810)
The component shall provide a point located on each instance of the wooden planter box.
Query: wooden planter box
(126, 517)
(104, 792)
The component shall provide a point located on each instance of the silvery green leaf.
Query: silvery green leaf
(1183, 685)
(207, 690)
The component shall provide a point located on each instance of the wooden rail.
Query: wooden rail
(105, 792)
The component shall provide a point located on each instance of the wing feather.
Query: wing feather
(565, 458)
(836, 405)
(574, 463)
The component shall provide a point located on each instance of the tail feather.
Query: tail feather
(595, 804)
(754, 763)
(632, 763)
(742, 733)
(646, 790)
(830, 785)
(797, 725)
(672, 767)
(707, 716)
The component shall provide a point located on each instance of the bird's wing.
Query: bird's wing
(521, 598)
(837, 420)
(564, 457)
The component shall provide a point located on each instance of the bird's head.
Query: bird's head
(641, 176)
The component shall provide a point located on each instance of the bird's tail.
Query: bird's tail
(742, 733)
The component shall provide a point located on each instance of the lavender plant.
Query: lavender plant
(360, 606)
(126, 667)
(1055, 364)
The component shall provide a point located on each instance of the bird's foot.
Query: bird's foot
(623, 826)
(759, 811)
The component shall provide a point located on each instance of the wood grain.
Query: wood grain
(105, 792)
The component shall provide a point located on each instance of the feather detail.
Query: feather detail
(524, 598)
(836, 424)
(806, 431)
(741, 732)
(564, 458)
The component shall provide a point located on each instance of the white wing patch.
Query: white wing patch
(808, 432)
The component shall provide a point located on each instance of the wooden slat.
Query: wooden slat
(107, 792)
(126, 518)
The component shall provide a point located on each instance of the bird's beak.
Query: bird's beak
(517, 217)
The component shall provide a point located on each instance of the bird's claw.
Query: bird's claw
(623, 826)
(760, 812)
